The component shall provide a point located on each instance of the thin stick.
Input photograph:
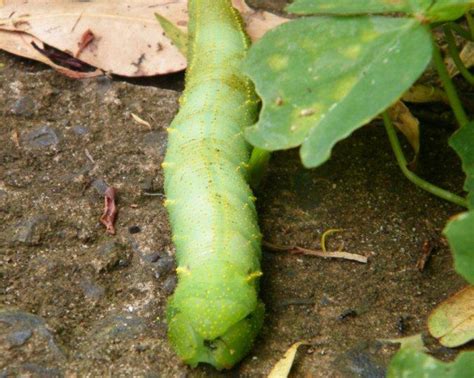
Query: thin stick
(418, 181)
(312, 252)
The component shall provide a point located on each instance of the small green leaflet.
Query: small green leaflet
(460, 234)
(439, 10)
(177, 36)
(460, 230)
(320, 78)
(462, 142)
(411, 363)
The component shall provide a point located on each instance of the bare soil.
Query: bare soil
(77, 301)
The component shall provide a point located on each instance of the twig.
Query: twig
(89, 156)
(311, 252)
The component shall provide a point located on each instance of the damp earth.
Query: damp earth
(78, 301)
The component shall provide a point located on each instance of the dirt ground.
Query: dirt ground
(76, 301)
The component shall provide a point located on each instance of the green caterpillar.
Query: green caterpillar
(214, 314)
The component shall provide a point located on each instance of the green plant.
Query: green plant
(323, 76)
(214, 314)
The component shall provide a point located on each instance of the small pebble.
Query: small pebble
(42, 137)
(18, 338)
(169, 285)
(24, 106)
(80, 130)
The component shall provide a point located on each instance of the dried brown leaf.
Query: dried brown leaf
(282, 367)
(20, 43)
(127, 39)
(110, 210)
(407, 123)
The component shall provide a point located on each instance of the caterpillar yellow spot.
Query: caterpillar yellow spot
(183, 270)
(253, 276)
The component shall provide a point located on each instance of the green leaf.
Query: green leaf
(460, 234)
(177, 36)
(409, 363)
(446, 10)
(320, 78)
(452, 321)
(440, 10)
(463, 143)
(351, 7)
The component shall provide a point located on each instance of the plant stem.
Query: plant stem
(258, 165)
(453, 51)
(448, 85)
(470, 22)
(465, 33)
(418, 181)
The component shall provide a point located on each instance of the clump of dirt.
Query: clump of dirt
(76, 300)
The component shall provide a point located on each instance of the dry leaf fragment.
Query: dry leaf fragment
(110, 210)
(127, 39)
(420, 93)
(452, 322)
(467, 57)
(282, 367)
(140, 121)
(407, 123)
(22, 44)
(85, 41)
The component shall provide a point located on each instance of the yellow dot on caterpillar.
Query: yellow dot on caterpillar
(232, 351)
(253, 276)
(183, 270)
(168, 202)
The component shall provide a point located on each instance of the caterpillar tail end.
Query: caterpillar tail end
(222, 352)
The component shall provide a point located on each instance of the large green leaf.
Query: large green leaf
(460, 234)
(345, 7)
(463, 143)
(320, 78)
(440, 10)
(445, 10)
(409, 363)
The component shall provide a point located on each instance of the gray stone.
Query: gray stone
(31, 230)
(121, 326)
(100, 186)
(110, 256)
(164, 265)
(24, 324)
(156, 139)
(80, 130)
(24, 106)
(91, 289)
(18, 338)
(169, 285)
(42, 137)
